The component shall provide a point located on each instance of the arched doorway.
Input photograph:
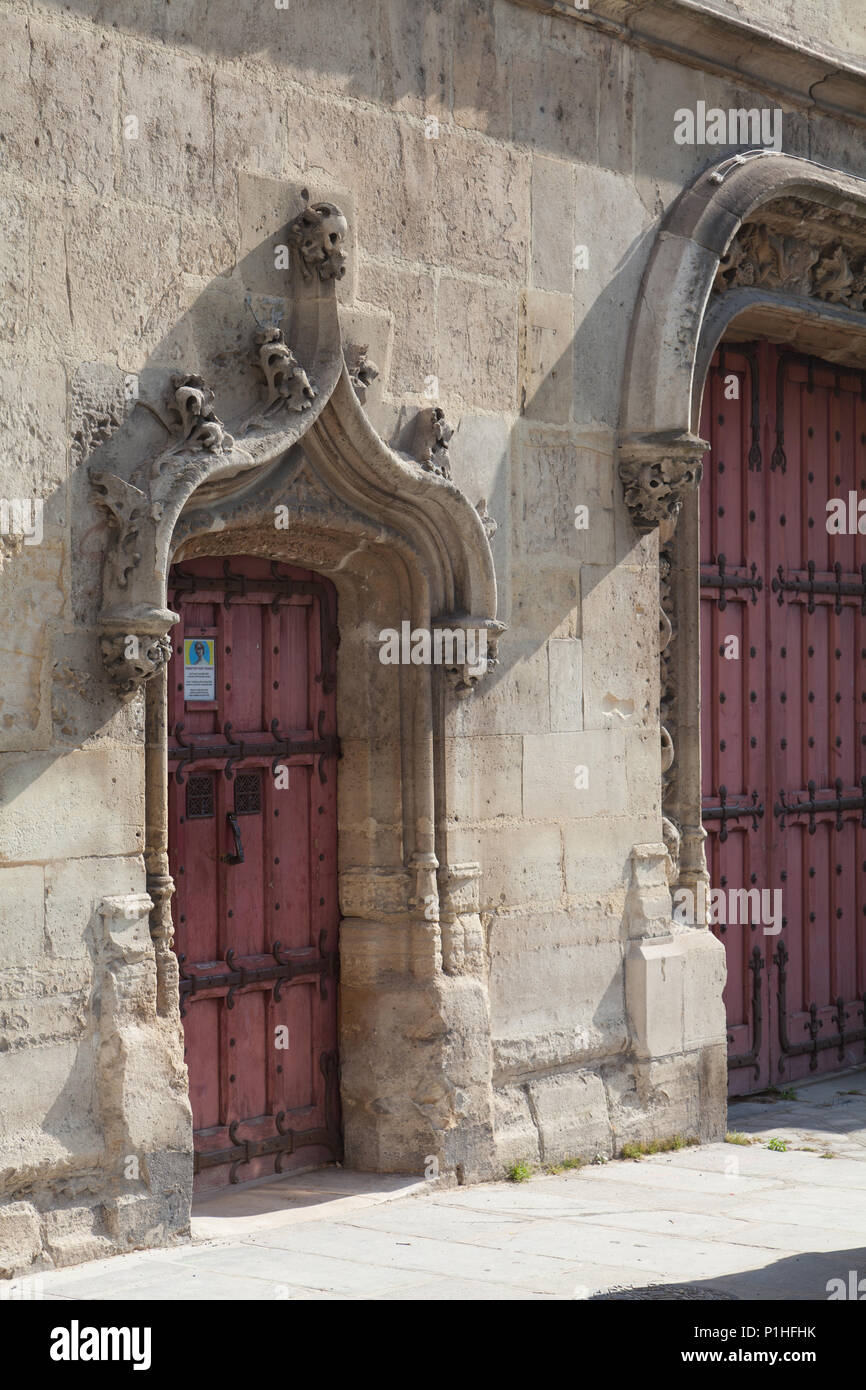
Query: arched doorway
(764, 247)
(783, 727)
(252, 815)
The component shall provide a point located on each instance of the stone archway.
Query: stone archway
(771, 241)
(302, 476)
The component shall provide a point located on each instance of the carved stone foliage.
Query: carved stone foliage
(287, 383)
(318, 233)
(197, 425)
(430, 442)
(124, 508)
(656, 477)
(763, 256)
(94, 428)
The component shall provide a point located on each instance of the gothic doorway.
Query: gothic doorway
(783, 727)
(253, 853)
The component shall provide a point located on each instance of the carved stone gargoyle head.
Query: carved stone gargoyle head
(131, 659)
(319, 233)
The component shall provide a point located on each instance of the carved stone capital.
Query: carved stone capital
(656, 474)
(135, 647)
(160, 887)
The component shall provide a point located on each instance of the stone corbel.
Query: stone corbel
(480, 642)
(657, 473)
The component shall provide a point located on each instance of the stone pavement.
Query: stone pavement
(728, 1220)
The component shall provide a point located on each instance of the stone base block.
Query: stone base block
(517, 1139)
(20, 1238)
(572, 1116)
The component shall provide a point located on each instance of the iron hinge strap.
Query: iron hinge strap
(841, 1039)
(283, 588)
(286, 1140)
(238, 974)
(837, 586)
(230, 752)
(723, 580)
(812, 807)
(724, 812)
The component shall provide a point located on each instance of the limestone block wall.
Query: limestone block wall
(504, 172)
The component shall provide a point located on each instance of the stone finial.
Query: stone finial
(656, 475)
(287, 383)
(431, 439)
(318, 233)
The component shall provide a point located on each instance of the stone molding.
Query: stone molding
(692, 33)
(205, 471)
(753, 227)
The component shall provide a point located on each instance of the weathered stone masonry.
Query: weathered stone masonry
(167, 378)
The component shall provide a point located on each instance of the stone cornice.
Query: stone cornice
(691, 32)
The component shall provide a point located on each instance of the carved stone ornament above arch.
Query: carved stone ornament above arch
(762, 244)
(803, 242)
(211, 475)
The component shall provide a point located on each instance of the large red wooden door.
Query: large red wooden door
(784, 719)
(252, 817)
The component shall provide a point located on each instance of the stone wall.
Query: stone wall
(504, 172)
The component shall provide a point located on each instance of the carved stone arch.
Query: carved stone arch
(765, 239)
(302, 476)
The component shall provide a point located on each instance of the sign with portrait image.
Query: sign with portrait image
(199, 669)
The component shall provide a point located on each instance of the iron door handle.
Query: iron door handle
(238, 856)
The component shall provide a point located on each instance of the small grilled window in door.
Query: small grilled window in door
(199, 797)
(248, 794)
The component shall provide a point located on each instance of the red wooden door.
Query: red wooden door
(252, 817)
(783, 721)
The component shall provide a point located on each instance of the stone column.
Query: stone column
(160, 884)
(661, 475)
(674, 974)
(681, 682)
